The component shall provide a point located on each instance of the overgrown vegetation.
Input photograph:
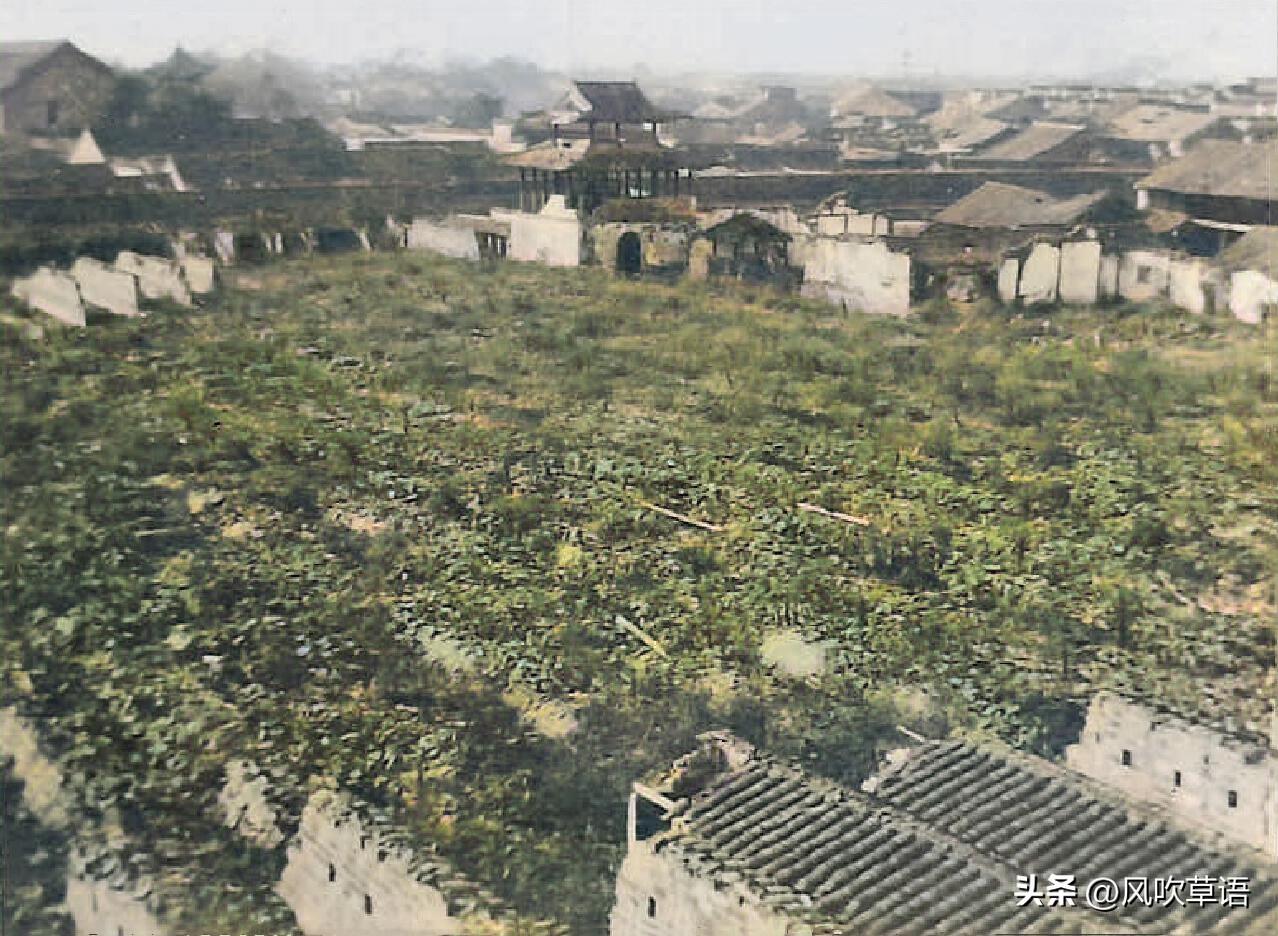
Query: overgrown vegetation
(386, 522)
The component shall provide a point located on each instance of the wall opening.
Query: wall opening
(652, 908)
(368, 905)
(629, 254)
(1126, 758)
(332, 873)
(1233, 799)
(1176, 779)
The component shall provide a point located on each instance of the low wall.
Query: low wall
(450, 240)
(863, 277)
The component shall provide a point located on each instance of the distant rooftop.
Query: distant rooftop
(1221, 168)
(999, 205)
(1035, 140)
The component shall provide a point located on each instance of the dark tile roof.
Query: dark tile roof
(617, 102)
(834, 858)
(1034, 142)
(998, 205)
(1222, 168)
(1037, 818)
(936, 848)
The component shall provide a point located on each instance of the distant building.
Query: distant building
(604, 143)
(1217, 180)
(1041, 143)
(51, 88)
(733, 843)
(978, 229)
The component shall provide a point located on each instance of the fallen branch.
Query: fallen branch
(834, 514)
(644, 636)
(684, 518)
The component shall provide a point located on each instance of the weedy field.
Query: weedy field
(484, 544)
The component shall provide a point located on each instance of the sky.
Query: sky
(1016, 38)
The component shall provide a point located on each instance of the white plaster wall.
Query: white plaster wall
(685, 905)
(198, 273)
(1188, 281)
(1210, 765)
(100, 909)
(446, 239)
(224, 246)
(157, 278)
(1250, 293)
(866, 277)
(245, 807)
(1040, 275)
(1109, 276)
(1143, 275)
(104, 288)
(1080, 272)
(1009, 275)
(53, 293)
(551, 236)
(331, 835)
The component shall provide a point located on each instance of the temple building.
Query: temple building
(604, 144)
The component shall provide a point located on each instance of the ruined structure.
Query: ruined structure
(734, 842)
(1224, 782)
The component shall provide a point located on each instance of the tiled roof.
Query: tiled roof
(1221, 168)
(1157, 123)
(1255, 250)
(617, 101)
(823, 854)
(938, 845)
(1035, 140)
(999, 205)
(1037, 818)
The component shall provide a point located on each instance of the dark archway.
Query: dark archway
(629, 254)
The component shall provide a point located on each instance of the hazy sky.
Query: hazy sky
(1227, 38)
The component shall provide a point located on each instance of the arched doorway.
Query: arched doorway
(629, 254)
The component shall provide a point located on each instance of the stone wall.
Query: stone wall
(862, 277)
(1199, 775)
(662, 246)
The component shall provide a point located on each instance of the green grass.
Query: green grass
(242, 530)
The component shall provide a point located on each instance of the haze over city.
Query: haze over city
(1130, 39)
